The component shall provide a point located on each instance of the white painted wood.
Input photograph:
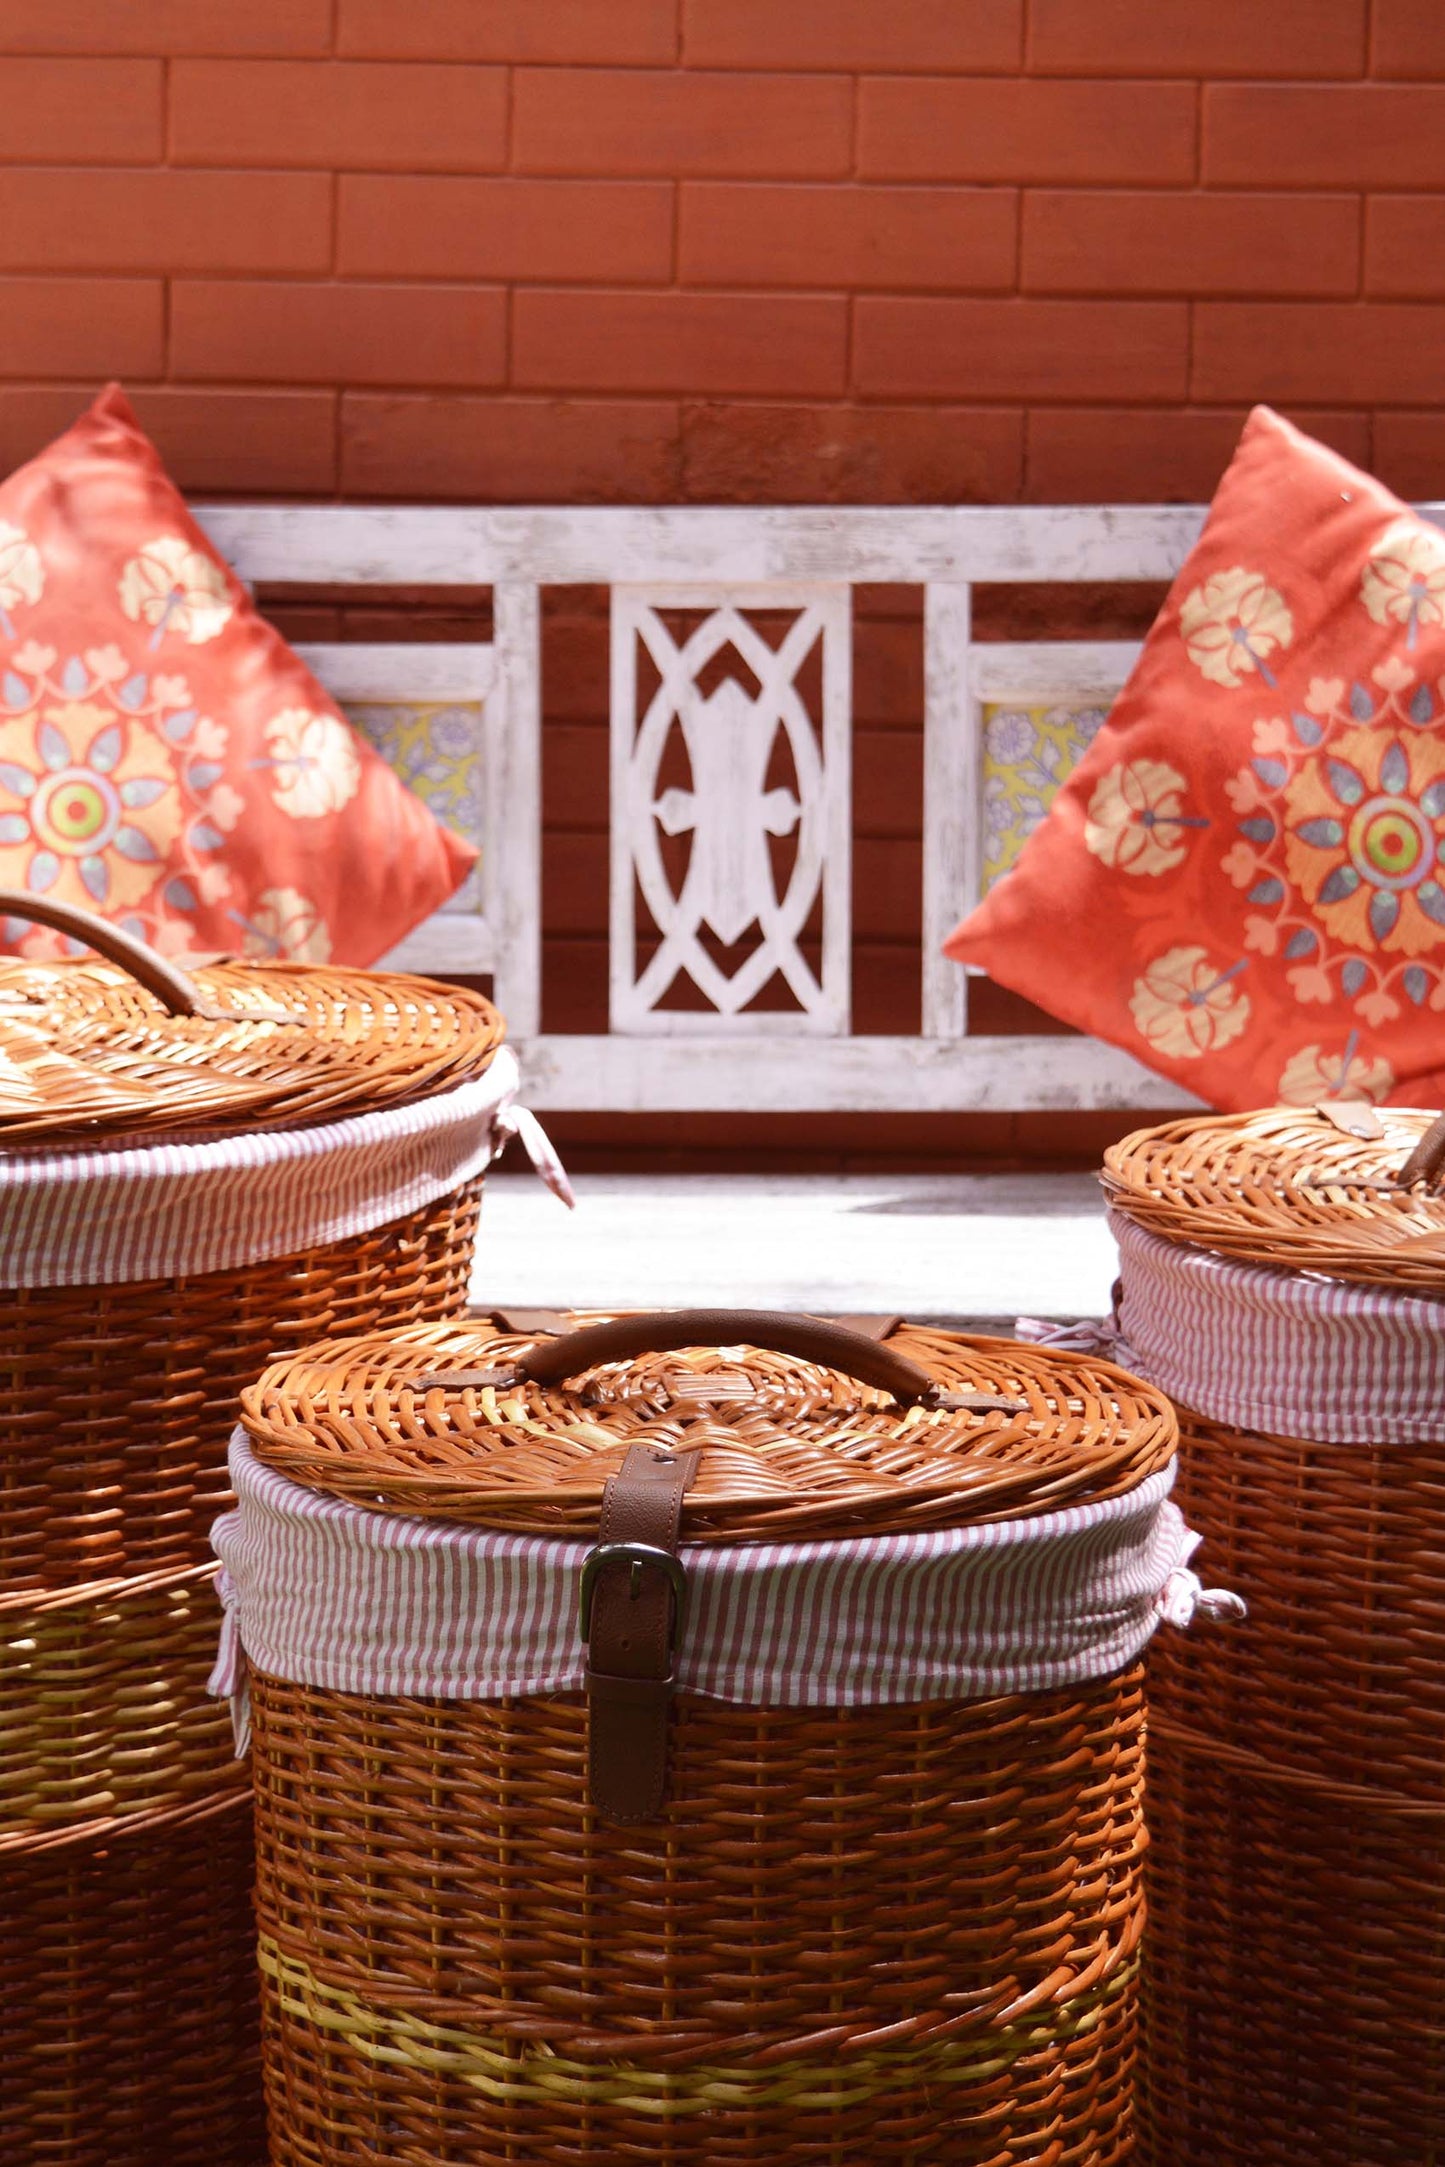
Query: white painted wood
(374, 545)
(728, 811)
(414, 674)
(513, 783)
(1028, 671)
(958, 1248)
(650, 1064)
(774, 1073)
(951, 758)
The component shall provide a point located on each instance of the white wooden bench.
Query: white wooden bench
(715, 570)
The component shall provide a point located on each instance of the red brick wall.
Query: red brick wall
(692, 249)
(702, 250)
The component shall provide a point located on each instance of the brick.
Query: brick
(165, 26)
(842, 34)
(1355, 135)
(793, 454)
(619, 31)
(123, 219)
(740, 234)
(1077, 241)
(1020, 349)
(509, 451)
(1288, 38)
(429, 227)
(1407, 38)
(1104, 455)
(359, 113)
(85, 327)
(618, 122)
(696, 343)
(1035, 132)
(1410, 454)
(81, 112)
(249, 331)
(1389, 351)
(1404, 241)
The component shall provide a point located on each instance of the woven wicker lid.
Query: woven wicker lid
(435, 1421)
(1349, 1192)
(100, 1051)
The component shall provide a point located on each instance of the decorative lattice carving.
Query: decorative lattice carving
(730, 695)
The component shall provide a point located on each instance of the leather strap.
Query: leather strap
(634, 1622)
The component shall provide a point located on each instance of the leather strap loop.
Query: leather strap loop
(871, 1361)
(634, 1612)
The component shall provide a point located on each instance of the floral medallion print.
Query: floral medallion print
(1187, 1004)
(1137, 820)
(1341, 844)
(284, 926)
(1317, 1074)
(1404, 578)
(1232, 624)
(106, 775)
(1028, 754)
(314, 764)
(175, 590)
(22, 574)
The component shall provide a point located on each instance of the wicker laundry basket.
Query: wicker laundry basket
(1282, 1278)
(195, 1171)
(819, 1840)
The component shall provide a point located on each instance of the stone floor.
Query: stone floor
(971, 1250)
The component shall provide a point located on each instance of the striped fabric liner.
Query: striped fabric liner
(324, 1593)
(95, 1218)
(1284, 1352)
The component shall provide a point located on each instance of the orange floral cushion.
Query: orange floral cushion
(165, 758)
(1243, 881)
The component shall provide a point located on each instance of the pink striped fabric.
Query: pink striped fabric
(324, 1593)
(1283, 1352)
(93, 1218)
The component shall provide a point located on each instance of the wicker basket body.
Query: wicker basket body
(117, 1402)
(853, 1933)
(126, 1922)
(1294, 1980)
(1295, 1972)
(874, 1934)
(127, 1996)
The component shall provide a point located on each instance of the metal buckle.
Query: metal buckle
(635, 1554)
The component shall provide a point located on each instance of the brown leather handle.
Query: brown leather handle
(871, 1361)
(1427, 1158)
(172, 988)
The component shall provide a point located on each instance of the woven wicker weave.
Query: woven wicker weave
(1290, 1189)
(869, 1935)
(127, 2002)
(854, 1935)
(1295, 1974)
(125, 1913)
(116, 1402)
(86, 1054)
(798, 1450)
(1294, 2000)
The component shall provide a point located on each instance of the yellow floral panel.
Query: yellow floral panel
(1028, 753)
(436, 749)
